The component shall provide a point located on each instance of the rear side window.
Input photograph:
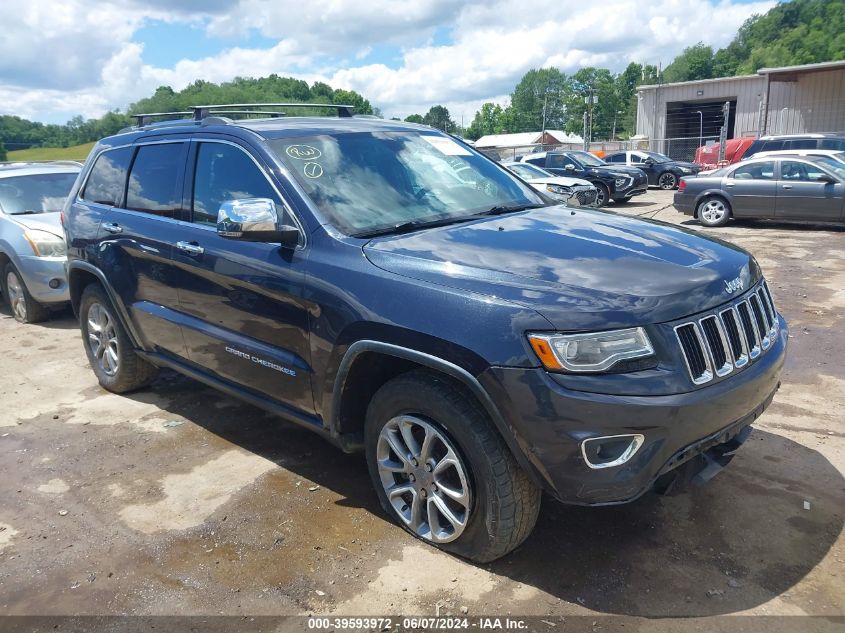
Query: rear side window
(771, 146)
(755, 171)
(108, 177)
(154, 180)
(619, 158)
(555, 161)
(801, 143)
(832, 143)
(222, 173)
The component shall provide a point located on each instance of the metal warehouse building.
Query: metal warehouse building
(789, 100)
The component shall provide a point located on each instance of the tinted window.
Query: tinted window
(108, 177)
(771, 146)
(804, 172)
(224, 172)
(153, 181)
(756, 146)
(800, 143)
(555, 161)
(755, 171)
(537, 161)
(618, 158)
(832, 143)
(636, 158)
(38, 193)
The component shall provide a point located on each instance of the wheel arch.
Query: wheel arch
(82, 274)
(357, 381)
(710, 193)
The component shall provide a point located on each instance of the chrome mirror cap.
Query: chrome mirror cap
(247, 215)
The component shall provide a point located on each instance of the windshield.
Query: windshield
(832, 164)
(659, 158)
(525, 170)
(585, 158)
(35, 193)
(366, 182)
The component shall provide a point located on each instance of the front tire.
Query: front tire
(623, 200)
(442, 471)
(24, 308)
(713, 211)
(667, 181)
(602, 194)
(110, 352)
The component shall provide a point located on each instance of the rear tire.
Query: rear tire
(110, 352)
(492, 502)
(602, 194)
(667, 181)
(713, 211)
(24, 308)
(624, 200)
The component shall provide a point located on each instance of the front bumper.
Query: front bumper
(550, 422)
(38, 272)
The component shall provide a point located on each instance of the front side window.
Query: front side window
(37, 193)
(154, 180)
(222, 173)
(108, 177)
(636, 158)
(365, 182)
(832, 143)
(618, 158)
(755, 171)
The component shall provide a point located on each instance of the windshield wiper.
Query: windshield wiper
(500, 209)
(410, 226)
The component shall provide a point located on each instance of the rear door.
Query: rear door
(244, 316)
(135, 251)
(752, 189)
(802, 196)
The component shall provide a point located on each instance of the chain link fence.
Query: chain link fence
(675, 148)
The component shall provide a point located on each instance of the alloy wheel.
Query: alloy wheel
(424, 478)
(667, 181)
(16, 297)
(102, 338)
(713, 211)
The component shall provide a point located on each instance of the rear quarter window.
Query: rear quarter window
(107, 181)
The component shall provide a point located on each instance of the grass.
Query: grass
(77, 152)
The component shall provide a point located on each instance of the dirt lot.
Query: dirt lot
(178, 500)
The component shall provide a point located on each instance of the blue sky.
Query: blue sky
(85, 57)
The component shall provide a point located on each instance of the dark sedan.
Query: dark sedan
(782, 188)
(662, 171)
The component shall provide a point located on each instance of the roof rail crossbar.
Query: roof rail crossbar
(200, 112)
(145, 119)
(268, 113)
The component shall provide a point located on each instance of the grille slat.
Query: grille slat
(718, 344)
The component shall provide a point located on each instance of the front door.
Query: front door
(244, 318)
(752, 189)
(802, 196)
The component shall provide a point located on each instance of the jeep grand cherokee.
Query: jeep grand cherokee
(479, 342)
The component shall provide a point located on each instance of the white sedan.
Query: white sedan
(572, 191)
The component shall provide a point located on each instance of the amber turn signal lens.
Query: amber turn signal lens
(544, 352)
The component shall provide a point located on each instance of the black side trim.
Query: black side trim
(224, 386)
(440, 365)
(117, 304)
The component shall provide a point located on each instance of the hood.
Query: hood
(617, 169)
(50, 222)
(561, 180)
(683, 163)
(581, 269)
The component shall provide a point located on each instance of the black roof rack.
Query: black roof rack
(200, 112)
(145, 119)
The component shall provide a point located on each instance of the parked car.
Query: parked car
(795, 142)
(774, 187)
(572, 191)
(478, 344)
(662, 171)
(836, 155)
(32, 245)
(618, 183)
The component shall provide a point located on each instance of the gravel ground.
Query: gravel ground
(179, 500)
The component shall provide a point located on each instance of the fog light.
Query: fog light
(611, 450)
(54, 283)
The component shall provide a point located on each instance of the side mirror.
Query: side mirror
(649, 161)
(826, 178)
(569, 167)
(254, 220)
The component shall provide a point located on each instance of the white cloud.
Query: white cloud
(80, 57)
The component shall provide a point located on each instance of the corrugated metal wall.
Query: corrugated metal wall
(813, 103)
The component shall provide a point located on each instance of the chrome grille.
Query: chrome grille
(719, 343)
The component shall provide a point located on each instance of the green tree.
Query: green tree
(438, 117)
(414, 118)
(540, 92)
(599, 86)
(695, 62)
(488, 120)
(3, 155)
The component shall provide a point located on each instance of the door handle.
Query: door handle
(787, 186)
(190, 248)
(113, 227)
(729, 184)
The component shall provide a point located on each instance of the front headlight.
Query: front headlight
(590, 351)
(685, 170)
(558, 189)
(621, 182)
(45, 244)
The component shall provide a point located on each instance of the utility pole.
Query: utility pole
(700, 127)
(586, 142)
(723, 133)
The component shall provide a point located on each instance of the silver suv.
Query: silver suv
(32, 246)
